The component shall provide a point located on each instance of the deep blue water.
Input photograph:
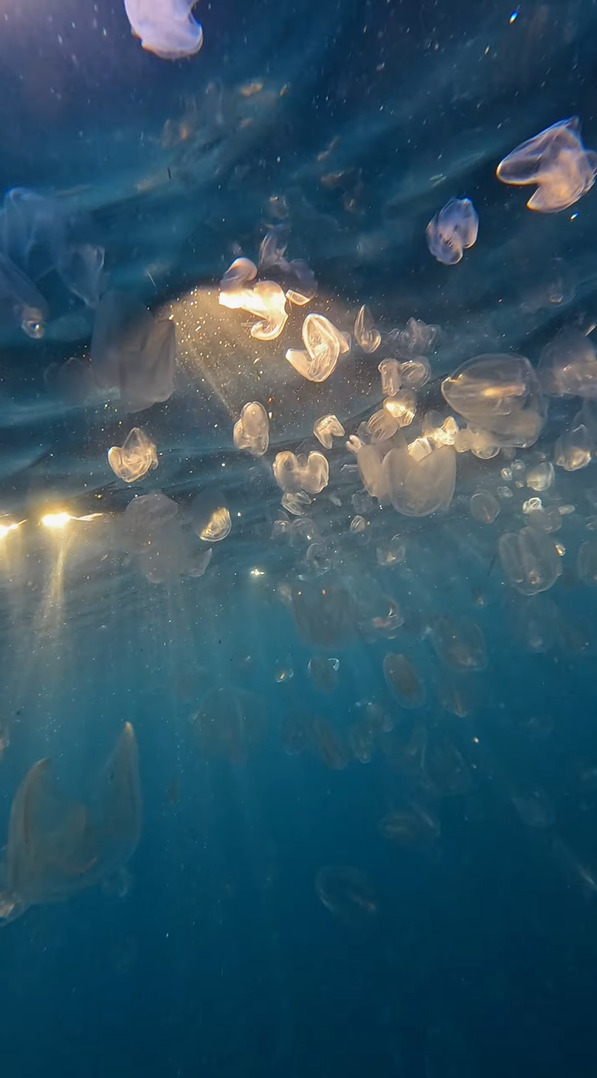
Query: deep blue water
(326, 879)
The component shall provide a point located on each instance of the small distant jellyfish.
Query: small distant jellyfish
(251, 431)
(326, 428)
(452, 230)
(135, 459)
(366, 333)
(166, 27)
(557, 162)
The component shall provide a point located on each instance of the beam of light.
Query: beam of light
(57, 521)
(6, 529)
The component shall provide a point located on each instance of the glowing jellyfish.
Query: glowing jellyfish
(419, 484)
(327, 428)
(366, 333)
(452, 230)
(166, 27)
(307, 473)
(557, 162)
(391, 376)
(323, 345)
(416, 339)
(568, 365)
(573, 449)
(251, 432)
(498, 394)
(217, 527)
(135, 459)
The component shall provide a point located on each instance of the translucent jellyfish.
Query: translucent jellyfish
(533, 807)
(217, 527)
(498, 394)
(236, 283)
(361, 742)
(267, 300)
(150, 530)
(586, 563)
(391, 376)
(415, 372)
(530, 560)
(295, 735)
(329, 745)
(366, 333)
(21, 303)
(308, 473)
(403, 680)
(418, 487)
(346, 892)
(132, 353)
(402, 406)
(369, 461)
(251, 432)
(298, 279)
(535, 619)
(56, 847)
(484, 507)
(296, 502)
(33, 231)
(323, 345)
(323, 672)
(416, 339)
(573, 449)
(540, 477)
(324, 614)
(557, 162)
(568, 365)
(166, 27)
(411, 826)
(452, 230)
(381, 426)
(80, 267)
(327, 428)
(458, 642)
(230, 722)
(444, 766)
(136, 458)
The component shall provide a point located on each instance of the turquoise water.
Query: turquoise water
(298, 769)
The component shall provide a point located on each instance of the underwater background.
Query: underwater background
(298, 756)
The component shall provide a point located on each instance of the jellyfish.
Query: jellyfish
(21, 302)
(346, 892)
(251, 431)
(166, 27)
(499, 394)
(55, 847)
(229, 722)
(132, 353)
(557, 162)
(452, 230)
(366, 333)
(135, 458)
(323, 345)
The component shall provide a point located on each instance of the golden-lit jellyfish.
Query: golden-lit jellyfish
(166, 27)
(303, 473)
(137, 456)
(452, 230)
(557, 162)
(327, 428)
(366, 333)
(251, 431)
(323, 345)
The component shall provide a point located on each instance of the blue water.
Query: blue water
(326, 879)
